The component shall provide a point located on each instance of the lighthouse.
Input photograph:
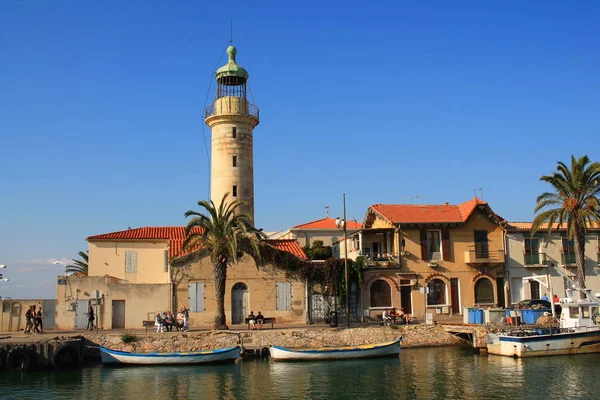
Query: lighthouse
(232, 119)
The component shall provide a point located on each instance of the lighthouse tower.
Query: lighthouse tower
(231, 119)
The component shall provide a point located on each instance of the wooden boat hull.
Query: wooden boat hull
(389, 349)
(544, 344)
(228, 355)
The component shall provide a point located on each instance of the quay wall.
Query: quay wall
(413, 336)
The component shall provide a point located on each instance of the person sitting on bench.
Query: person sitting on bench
(385, 318)
(252, 320)
(260, 320)
(404, 318)
(160, 323)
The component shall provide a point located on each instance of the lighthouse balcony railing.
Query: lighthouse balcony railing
(226, 108)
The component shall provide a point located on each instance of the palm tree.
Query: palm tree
(225, 236)
(573, 202)
(80, 266)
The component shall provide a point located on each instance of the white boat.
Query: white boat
(227, 355)
(387, 349)
(579, 331)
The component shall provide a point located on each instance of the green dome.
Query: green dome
(232, 69)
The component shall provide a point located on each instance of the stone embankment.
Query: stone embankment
(413, 336)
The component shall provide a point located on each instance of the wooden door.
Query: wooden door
(239, 303)
(406, 298)
(455, 295)
(118, 314)
(81, 316)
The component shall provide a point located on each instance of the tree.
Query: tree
(80, 266)
(317, 251)
(225, 237)
(574, 202)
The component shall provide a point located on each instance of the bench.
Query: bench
(266, 320)
(148, 323)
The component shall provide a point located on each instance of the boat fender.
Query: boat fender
(66, 357)
(19, 358)
(242, 350)
(264, 352)
(3, 357)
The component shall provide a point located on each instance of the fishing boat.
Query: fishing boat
(579, 330)
(222, 356)
(388, 349)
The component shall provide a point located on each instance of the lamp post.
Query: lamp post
(341, 224)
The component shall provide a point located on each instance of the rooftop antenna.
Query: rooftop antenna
(475, 191)
(231, 32)
(413, 197)
(326, 211)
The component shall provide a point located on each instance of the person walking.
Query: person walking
(91, 318)
(186, 318)
(39, 325)
(29, 315)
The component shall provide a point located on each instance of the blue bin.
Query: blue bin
(475, 316)
(531, 316)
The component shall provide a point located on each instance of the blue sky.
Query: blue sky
(101, 105)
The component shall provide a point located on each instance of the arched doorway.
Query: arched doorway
(437, 292)
(484, 291)
(381, 294)
(239, 303)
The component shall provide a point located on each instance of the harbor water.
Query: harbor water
(431, 373)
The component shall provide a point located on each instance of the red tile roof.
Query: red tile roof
(328, 224)
(422, 214)
(289, 245)
(175, 236)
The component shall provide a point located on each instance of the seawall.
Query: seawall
(413, 336)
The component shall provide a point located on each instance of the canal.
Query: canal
(431, 373)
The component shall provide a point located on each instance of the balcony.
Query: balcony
(478, 255)
(535, 260)
(382, 262)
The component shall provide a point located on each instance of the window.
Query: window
(130, 262)
(234, 191)
(437, 292)
(586, 312)
(484, 291)
(568, 251)
(196, 296)
(534, 286)
(381, 294)
(574, 312)
(284, 296)
(482, 249)
(234, 132)
(434, 245)
(532, 251)
(235, 161)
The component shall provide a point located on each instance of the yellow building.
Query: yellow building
(142, 271)
(455, 252)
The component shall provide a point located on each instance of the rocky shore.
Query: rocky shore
(413, 336)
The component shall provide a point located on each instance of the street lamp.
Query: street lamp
(341, 224)
(64, 264)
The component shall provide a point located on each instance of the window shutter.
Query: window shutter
(288, 295)
(424, 254)
(196, 296)
(130, 262)
(446, 244)
(133, 262)
(284, 296)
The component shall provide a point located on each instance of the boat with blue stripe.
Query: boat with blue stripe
(387, 349)
(219, 356)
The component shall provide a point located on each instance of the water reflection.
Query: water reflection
(445, 373)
